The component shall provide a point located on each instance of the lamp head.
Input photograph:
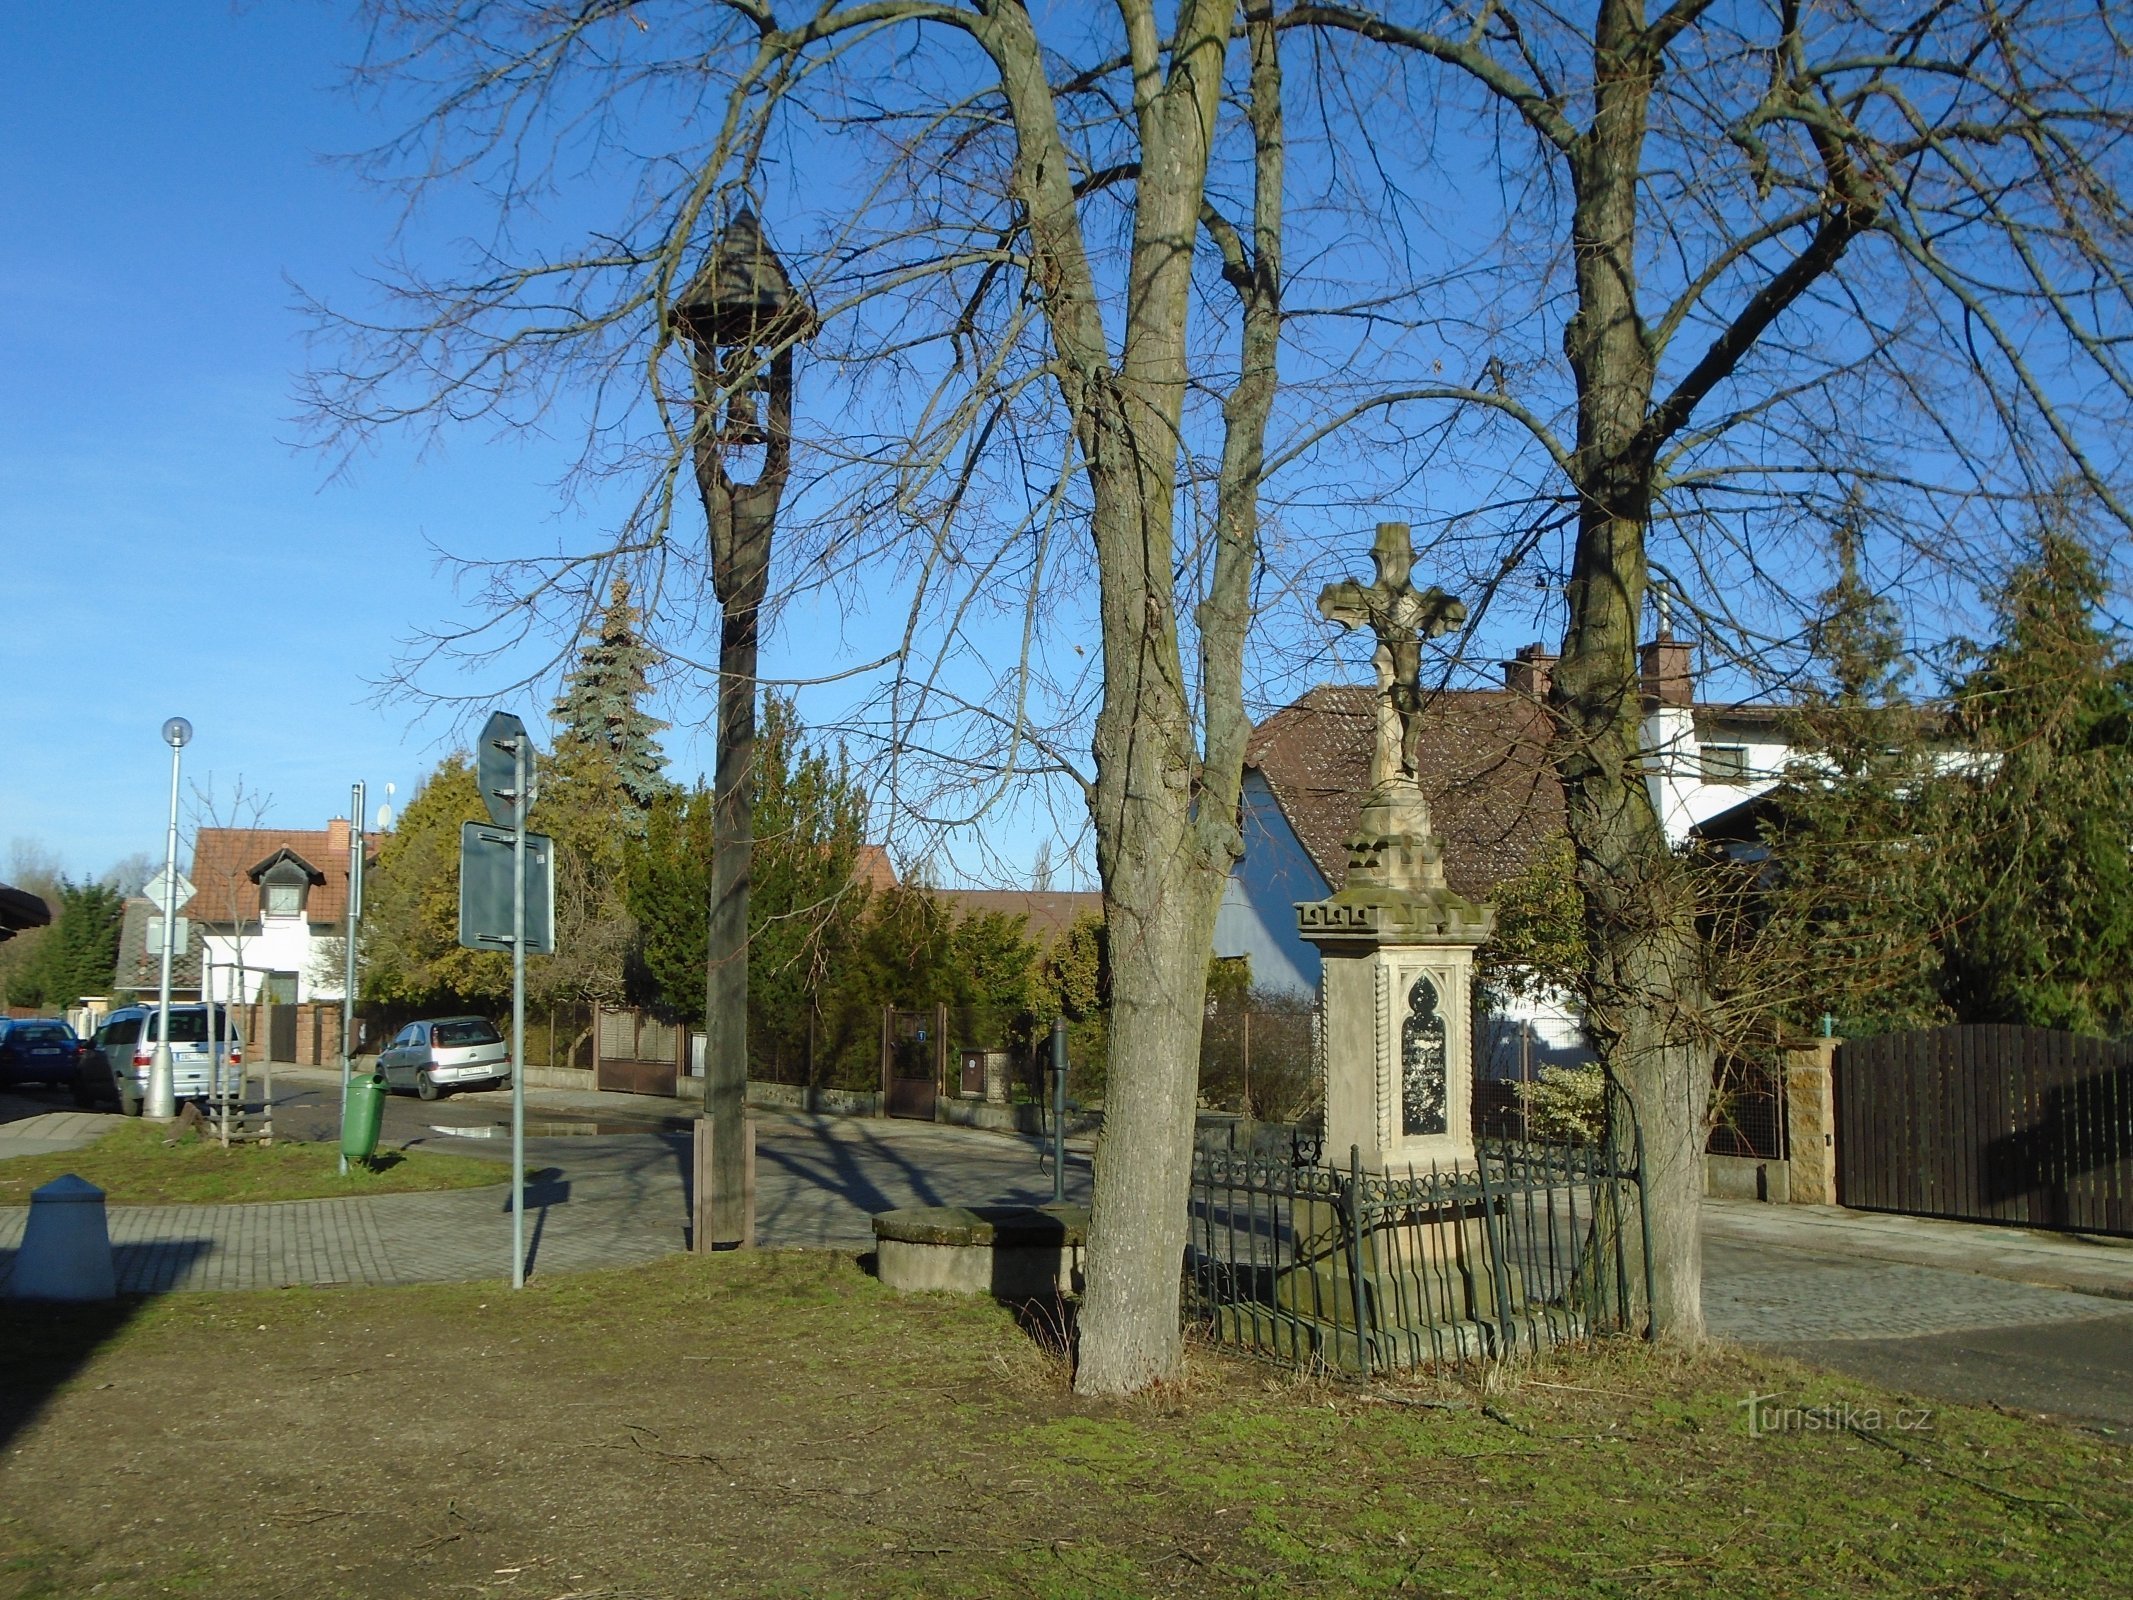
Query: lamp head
(177, 733)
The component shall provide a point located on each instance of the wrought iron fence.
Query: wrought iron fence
(1351, 1271)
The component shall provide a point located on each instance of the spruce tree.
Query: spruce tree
(601, 724)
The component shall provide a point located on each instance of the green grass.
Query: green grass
(134, 1166)
(779, 1424)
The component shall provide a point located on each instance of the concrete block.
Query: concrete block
(66, 1247)
(1008, 1252)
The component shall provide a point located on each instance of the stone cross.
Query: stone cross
(1401, 616)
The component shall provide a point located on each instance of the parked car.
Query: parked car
(445, 1053)
(116, 1067)
(35, 1050)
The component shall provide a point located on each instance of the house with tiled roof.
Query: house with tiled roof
(1046, 913)
(1494, 800)
(269, 908)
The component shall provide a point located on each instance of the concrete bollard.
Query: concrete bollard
(66, 1249)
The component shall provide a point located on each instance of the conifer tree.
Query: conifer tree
(77, 955)
(1849, 911)
(2039, 866)
(600, 720)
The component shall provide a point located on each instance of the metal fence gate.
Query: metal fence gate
(636, 1053)
(914, 1059)
(1990, 1124)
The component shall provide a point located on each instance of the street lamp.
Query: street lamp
(161, 1102)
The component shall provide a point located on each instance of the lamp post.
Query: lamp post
(742, 317)
(161, 1101)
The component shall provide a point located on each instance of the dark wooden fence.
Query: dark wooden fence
(1992, 1124)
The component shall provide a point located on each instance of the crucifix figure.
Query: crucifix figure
(1402, 616)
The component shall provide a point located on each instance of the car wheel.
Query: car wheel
(427, 1086)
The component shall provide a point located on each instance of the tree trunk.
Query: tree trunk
(1646, 1002)
(1163, 823)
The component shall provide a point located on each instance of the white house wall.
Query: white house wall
(1674, 771)
(280, 945)
(1517, 1035)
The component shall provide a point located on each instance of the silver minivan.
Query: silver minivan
(125, 1043)
(445, 1053)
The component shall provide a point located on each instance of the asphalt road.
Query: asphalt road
(2081, 1370)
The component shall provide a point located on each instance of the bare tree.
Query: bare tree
(1802, 259)
(1615, 299)
(1017, 284)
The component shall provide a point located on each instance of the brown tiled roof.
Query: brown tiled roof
(140, 965)
(1049, 912)
(223, 860)
(872, 869)
(1493, 798)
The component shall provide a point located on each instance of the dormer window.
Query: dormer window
(285, 881)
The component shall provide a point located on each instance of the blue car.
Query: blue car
(35, 1050)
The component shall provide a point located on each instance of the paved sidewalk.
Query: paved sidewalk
(2081, 1263)
(591, 1202)
(55, 1132)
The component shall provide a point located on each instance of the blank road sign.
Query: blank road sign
(496, 766)
(485, 889)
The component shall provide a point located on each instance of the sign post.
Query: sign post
(505, 771)
(348, 956)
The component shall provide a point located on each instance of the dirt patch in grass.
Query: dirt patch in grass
(778, 1424)
(135, 1166)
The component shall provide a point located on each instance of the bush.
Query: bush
(1569, 1104)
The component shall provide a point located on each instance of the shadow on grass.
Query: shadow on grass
(43, 1345)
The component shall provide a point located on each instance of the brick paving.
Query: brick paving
(1773, 1274)
(1760, 1294)
(591, 1202)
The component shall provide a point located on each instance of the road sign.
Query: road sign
(159, 892)
(485, 889)
(496, 766)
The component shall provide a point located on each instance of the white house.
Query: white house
(269, 909)
(1494, 801)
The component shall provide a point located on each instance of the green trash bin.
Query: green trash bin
(361, 1113)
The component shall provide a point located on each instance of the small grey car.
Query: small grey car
(445, 1053)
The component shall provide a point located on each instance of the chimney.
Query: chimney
(1663, 667)
(1529, 672)
(337, 840)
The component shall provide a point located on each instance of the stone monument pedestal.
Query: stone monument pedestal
(1397, 947)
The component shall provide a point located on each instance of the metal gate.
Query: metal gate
(634, 1053)
(1990, 1124)
(914, 1058)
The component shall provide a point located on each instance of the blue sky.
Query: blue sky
(164, 549)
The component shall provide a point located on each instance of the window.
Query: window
(463, 1033)
(1725, 763)
(283, 886)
